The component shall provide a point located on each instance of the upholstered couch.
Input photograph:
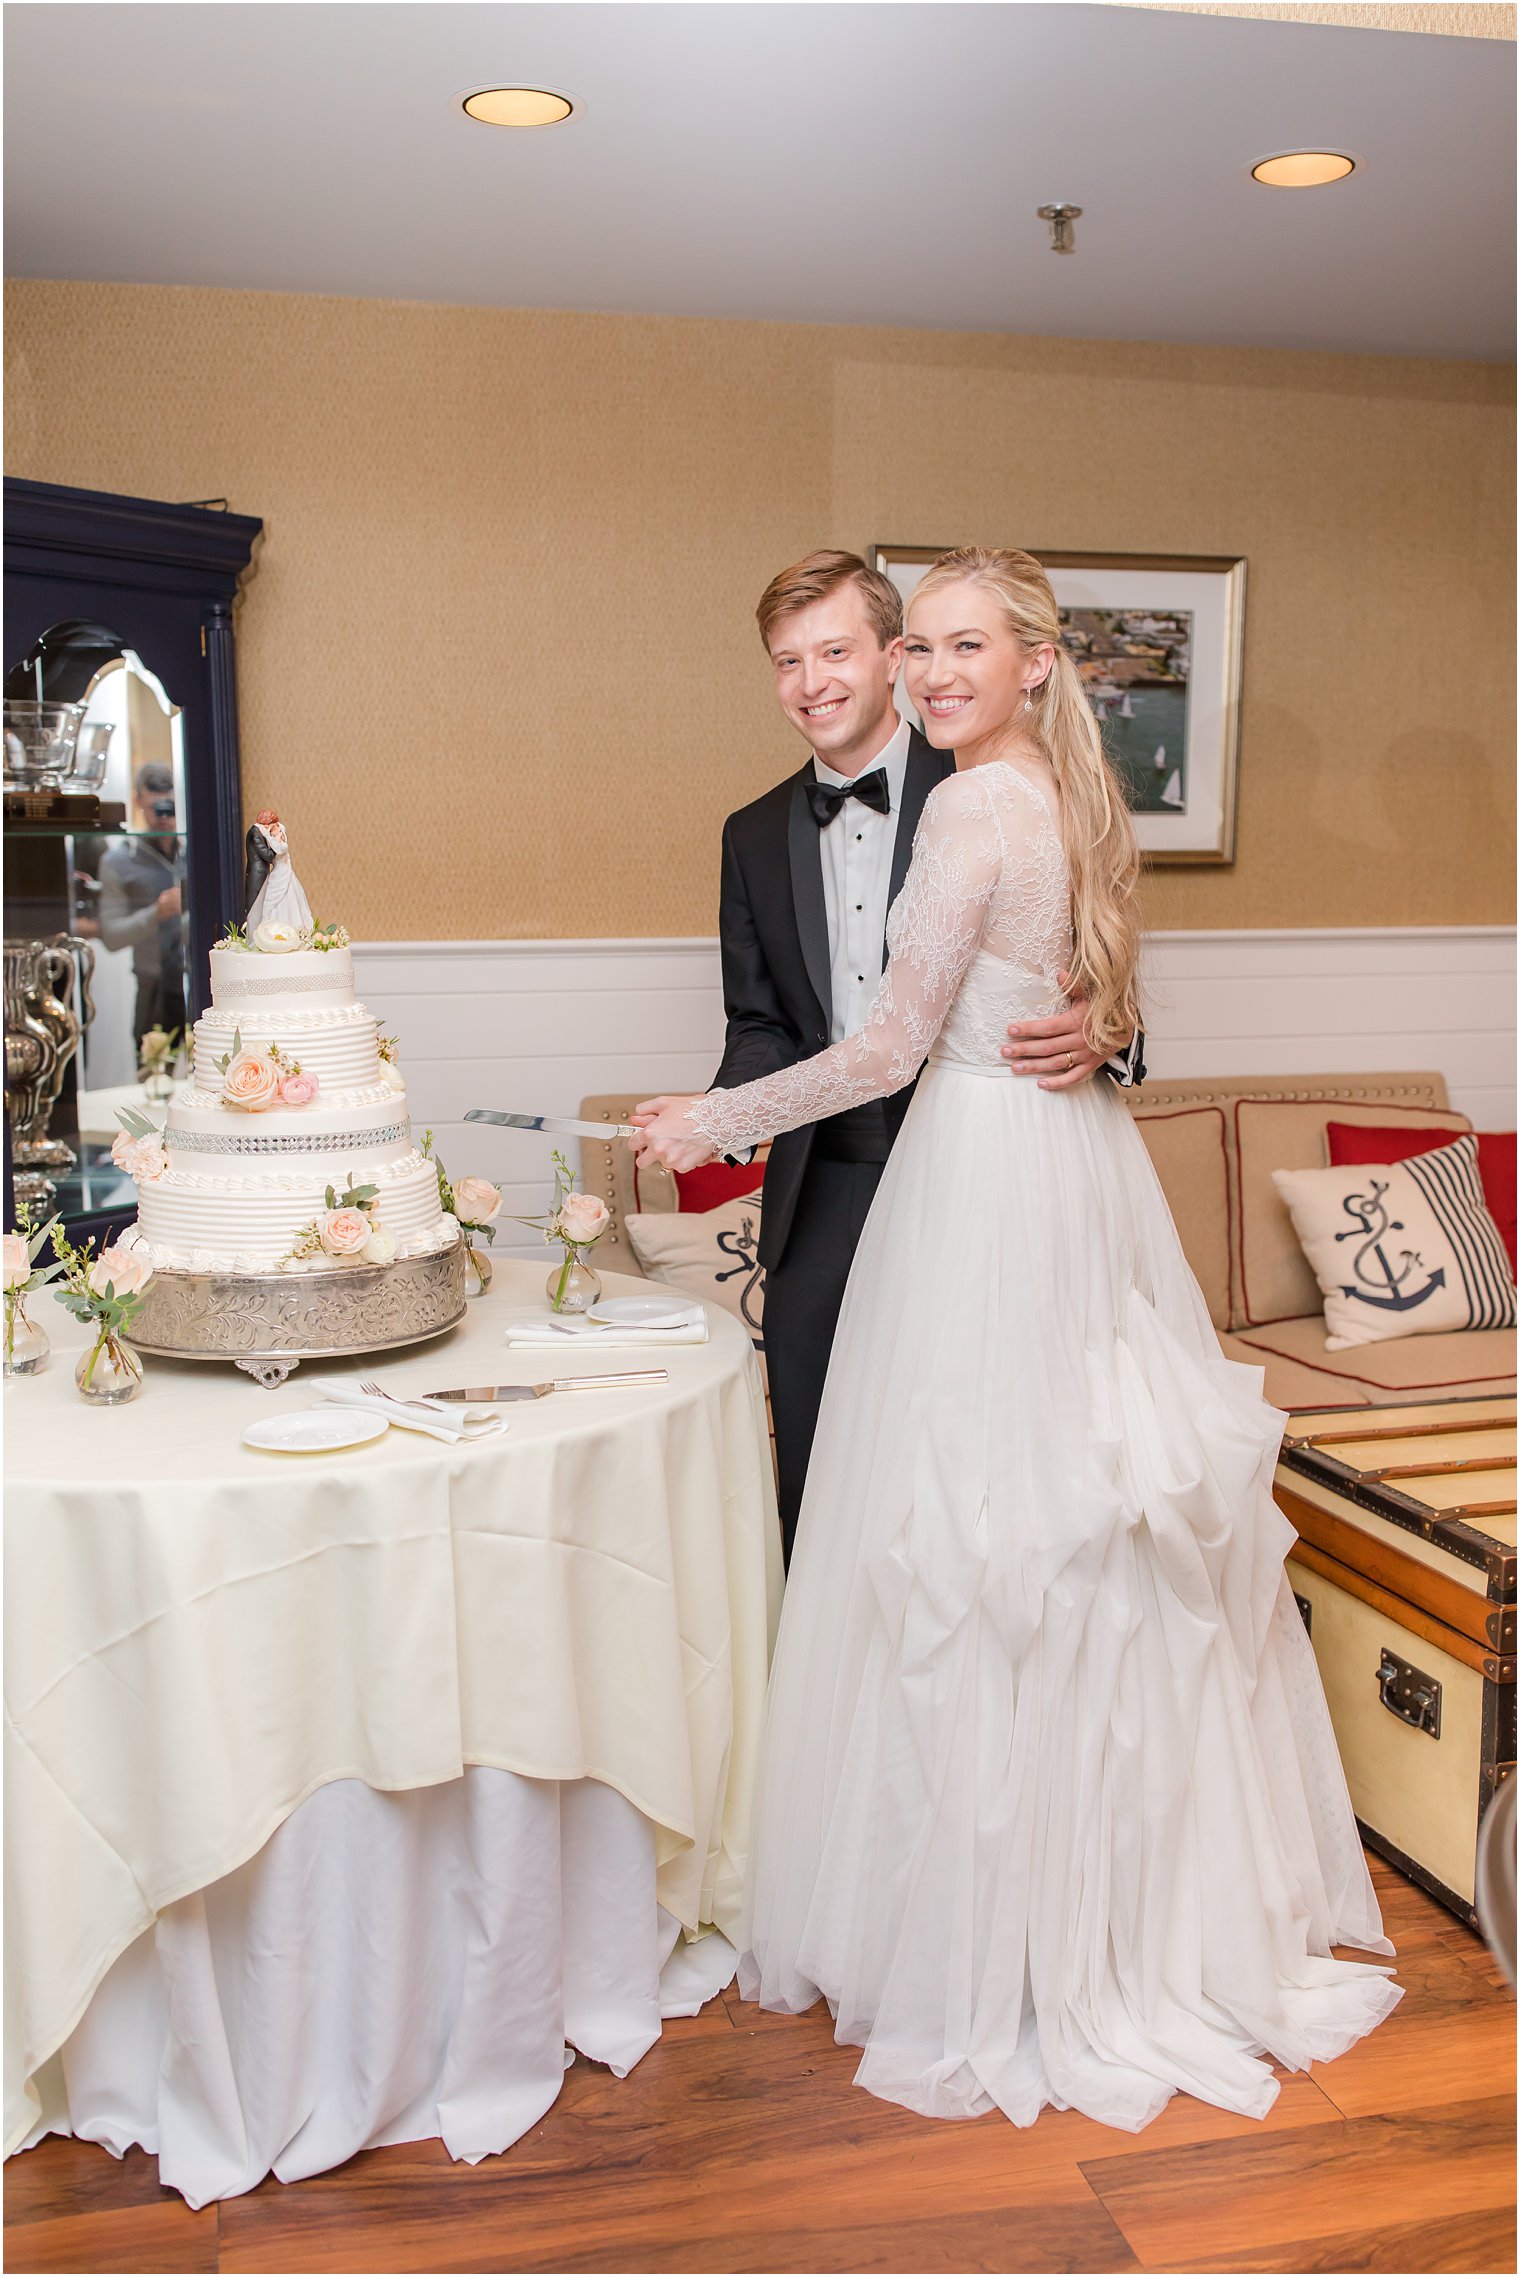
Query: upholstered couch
(1215, 1144)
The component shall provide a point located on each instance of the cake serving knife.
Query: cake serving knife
(563, 1126)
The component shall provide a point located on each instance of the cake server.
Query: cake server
(563, 1126)
(488, 1395)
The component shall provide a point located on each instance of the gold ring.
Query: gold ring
(1071, 1061)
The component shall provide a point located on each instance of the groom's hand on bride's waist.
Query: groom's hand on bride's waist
(1055, 1051)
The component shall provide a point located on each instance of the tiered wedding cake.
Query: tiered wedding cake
(290, 1149)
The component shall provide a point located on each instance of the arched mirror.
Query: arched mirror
(122, 820)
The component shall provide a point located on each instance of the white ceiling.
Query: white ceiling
(860, 163)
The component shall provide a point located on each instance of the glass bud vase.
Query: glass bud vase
(26, 1345)
(110, 1373)
(575, 1285)
(477, 1271)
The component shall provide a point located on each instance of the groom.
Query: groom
(809, 872)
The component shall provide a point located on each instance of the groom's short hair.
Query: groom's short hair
(818, 575)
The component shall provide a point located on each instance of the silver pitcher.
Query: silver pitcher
(42, 1032)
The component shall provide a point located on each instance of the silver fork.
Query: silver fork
(378, 1391)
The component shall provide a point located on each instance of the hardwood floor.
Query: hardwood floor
(740, 2144)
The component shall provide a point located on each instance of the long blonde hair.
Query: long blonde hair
(1101, 852)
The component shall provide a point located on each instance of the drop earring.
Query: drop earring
(1029, 699)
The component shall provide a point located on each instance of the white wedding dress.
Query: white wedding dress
(1049, 1805)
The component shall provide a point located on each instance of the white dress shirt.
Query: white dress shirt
(856, 850)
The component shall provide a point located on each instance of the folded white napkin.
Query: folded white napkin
(547, 1333)
(449, 1423)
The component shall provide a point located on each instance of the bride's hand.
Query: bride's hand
(665, 1133)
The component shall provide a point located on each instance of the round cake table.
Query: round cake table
(343, 1790)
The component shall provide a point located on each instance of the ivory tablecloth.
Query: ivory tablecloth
(199, 1636)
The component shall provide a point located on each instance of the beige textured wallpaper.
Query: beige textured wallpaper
(498, 667)
(1454, 19)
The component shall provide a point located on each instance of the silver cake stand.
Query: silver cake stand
(268, 1323)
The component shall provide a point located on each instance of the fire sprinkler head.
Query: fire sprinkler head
(1062, 236)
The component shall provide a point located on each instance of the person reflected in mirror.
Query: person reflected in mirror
(142, 882)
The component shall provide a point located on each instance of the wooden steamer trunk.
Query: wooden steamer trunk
(1405, 1575)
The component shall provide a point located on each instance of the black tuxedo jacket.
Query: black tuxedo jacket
(774, 935)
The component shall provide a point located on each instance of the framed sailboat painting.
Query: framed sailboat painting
(1157, 639)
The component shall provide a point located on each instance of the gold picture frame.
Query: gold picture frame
(1160, 639)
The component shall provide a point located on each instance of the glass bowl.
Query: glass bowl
(39, 744)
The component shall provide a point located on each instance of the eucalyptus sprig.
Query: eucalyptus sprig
(36, 1238)
(445, 1190)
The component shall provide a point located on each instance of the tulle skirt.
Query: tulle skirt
(1049, 1807)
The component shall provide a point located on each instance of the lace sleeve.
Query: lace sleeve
(932, 935)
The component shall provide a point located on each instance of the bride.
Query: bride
(1049, 1807)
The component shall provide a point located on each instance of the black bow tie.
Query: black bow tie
(826, 800)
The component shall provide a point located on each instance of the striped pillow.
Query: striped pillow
(1402, 1248)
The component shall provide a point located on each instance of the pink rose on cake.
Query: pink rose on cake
(298, 1090)
(476, 1201)
(251, 1081)
(582, 1218)
(121, 1270)
(141, 1158)
(344, 1233)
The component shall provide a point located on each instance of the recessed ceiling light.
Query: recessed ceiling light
(518, 106)
(1303, 169)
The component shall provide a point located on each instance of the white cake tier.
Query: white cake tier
(206, 1221)
(245, 981)
(336, 1043)
(322, 1142)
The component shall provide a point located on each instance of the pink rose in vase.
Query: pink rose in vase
(298, 1090)
(476, 1201)
(252, 1081)
(121, 1270)
(343, 1233)
(18, 1266)
(582, 1218)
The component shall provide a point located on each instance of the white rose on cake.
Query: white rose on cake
(380, 1249)
(391, 1076)
(275, 939)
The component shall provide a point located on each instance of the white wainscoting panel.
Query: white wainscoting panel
(538, 1025)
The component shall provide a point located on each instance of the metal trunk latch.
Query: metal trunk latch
(1408, 1693)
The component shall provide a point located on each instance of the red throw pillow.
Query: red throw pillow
(1386, 1142)
(715, 1183)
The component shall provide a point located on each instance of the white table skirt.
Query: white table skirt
(199, 1638)
(388, 1967)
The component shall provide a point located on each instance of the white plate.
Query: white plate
(641, 1312)
(314, 1431)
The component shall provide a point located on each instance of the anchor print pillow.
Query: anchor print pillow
(713, 1254)
(1402, 1248)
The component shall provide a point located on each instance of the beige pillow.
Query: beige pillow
(1187, 1149)
(1403, 1248)
(712, 1254)
(1289, 1134)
